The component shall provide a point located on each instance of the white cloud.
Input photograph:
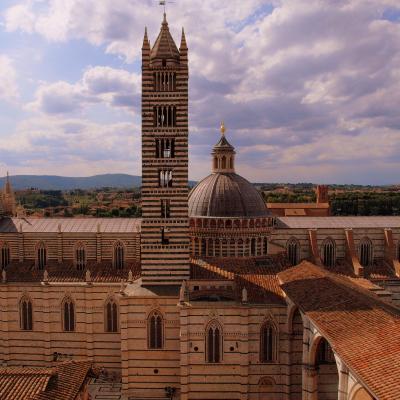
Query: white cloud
(71, 147)
(8, 79)
(306, 89)
(114, 87)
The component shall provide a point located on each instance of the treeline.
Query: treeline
(365, 203)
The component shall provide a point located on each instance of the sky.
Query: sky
(309, 90)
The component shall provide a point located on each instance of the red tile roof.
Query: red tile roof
(362, 329)
(84, 225)
(62, 382)
(257, 275)
(66, 272)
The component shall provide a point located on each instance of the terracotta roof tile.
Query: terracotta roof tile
(363, 329)
(62, 382)
(257, 275)
(66, 272)
(70, 225)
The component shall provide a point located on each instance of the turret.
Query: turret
(145, 48)
(183, 50)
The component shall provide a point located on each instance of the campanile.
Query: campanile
(165, 226)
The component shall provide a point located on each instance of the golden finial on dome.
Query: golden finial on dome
(223, 129)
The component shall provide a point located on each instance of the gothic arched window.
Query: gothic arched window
(80, 257)
(5, 256)
(268, 342)
(293, 251)
(155, 330)
(111, 320)
(26, 317)
(324, 354)
(119, 255)
(365, 252)
(214, 343)
(41, 256)
(68, 309)
(329, 253)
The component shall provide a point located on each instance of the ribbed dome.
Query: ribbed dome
(226, 195)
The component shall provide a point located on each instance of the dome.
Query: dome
(226, 195)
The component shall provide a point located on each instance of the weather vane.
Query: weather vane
(164, 3)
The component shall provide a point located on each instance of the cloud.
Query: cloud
(71, 147)
(305, 88)
(114, 87)
(8, 80)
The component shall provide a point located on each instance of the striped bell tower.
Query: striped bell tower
(165, 226)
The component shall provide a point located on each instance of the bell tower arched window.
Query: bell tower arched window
(329, 253)
(68, 310)
(5, 255)
(111, 316)
(164, 116)
(214, 343)
(366, 252)
(41, 256)
(80, 257)
(119, 255)
(155, 330)
(268, 342)
(26, 314)
(293, 251)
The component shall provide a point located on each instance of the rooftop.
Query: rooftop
(70, 225)
(362, 329)
(338, 222)
(62, 382)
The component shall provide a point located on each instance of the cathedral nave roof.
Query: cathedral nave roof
(84, 225)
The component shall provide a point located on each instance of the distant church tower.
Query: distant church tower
(7, 199)
(165, 227)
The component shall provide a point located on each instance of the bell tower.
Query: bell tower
(165, 226)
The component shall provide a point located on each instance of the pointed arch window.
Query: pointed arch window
(214, 343)
(324, 353)
(80, 257)
(268, 342)
(41, 256)
(111, 320)
(119, 255)
(26, 314)
(293, 251)
(5, 255)
(366, 252)
(155, 330)
(329, 253)
(68, 310)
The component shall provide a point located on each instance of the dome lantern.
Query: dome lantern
(223, 154)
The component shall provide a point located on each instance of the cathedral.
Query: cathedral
(209, 295)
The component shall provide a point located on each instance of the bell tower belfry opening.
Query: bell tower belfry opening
(165, 228)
